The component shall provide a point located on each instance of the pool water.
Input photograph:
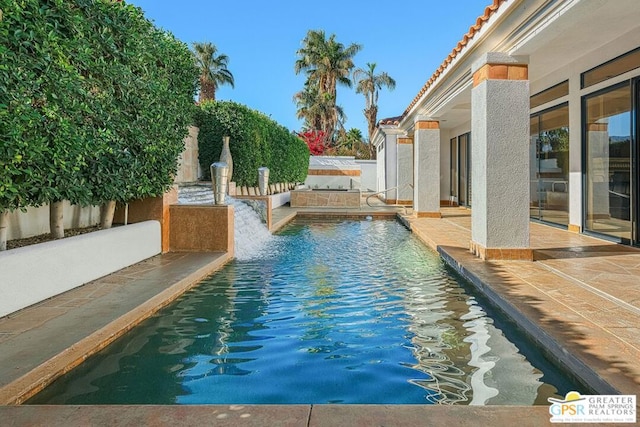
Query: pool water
(336, 312)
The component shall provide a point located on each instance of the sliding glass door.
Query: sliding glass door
(549, 191)
(464, 182)
(460, 167)
(453, 167)
(608, 153)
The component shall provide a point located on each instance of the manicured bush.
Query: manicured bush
(94, 103)
(42, 104)
(143, 82)
(255, 141)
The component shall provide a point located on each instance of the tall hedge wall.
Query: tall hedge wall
(94, 102)
(255, 141)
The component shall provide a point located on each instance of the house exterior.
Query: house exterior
(533, 116)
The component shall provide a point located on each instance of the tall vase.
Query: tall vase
(225, 157)
(263, 180)
(219, 181)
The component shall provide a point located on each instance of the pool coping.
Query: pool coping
(510, 294)
(27, 385)
(276, 414)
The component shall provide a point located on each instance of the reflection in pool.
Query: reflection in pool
(340, 312)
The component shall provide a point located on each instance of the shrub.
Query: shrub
(94, 103)
(255, 141)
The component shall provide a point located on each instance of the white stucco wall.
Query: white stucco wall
(341, 172)
(369, 174)
(34, 273)
(35, 221)
(391, 151)
(381, 169)
(405, 172)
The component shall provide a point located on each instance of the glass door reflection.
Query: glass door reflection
(549, 151)
(608, 163)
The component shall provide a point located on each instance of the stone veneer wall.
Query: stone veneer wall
(335, 199)
(201, 228)
(188, 163)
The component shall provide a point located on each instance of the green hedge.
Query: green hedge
(94, 103)
(255, 141)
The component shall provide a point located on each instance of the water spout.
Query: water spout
(250, 233)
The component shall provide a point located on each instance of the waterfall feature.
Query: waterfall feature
(250, 233)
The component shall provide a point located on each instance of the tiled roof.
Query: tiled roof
(390, 121)
(488, 11)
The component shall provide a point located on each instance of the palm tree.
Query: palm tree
(213, 70)
(326, 63)
(368, 84)
(310, 109)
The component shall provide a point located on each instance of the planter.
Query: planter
(68, 263)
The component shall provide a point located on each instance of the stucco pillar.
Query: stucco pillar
(405, 170)
(391, 175)
(500, 152)
(426, 169)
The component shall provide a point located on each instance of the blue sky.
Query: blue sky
(407, 39)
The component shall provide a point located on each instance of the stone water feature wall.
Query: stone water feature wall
(245, 227)
(325, 198)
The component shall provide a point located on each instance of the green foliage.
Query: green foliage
(350, 143)
(94, 103)
(255, 141)
(43, 102)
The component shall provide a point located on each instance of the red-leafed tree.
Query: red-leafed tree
(314, 140)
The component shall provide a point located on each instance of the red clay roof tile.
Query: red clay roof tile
(390, 121)
(488, 11)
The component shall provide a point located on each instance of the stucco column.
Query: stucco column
(500, 152)
(426, 169)
(391, 174)
(405, 170)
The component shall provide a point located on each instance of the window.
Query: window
(615, 67)
(548, 95)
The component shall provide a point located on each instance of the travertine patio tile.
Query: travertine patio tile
(581, 290)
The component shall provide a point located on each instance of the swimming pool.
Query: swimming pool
(334, 312)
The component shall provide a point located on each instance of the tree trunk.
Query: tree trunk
(4, 227)
(207, 91)
(371, 114)
(106, 214)
(56, 220)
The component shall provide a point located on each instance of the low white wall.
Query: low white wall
(34, 273)
(332, 181)
(280, 199)
(35, 221)
(369, 175)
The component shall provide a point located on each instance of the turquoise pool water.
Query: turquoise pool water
(340, 312)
